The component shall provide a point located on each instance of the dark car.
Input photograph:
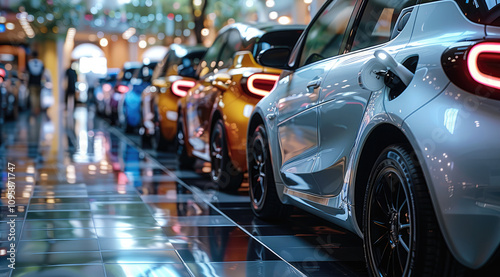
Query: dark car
(121, 87)
(170, 83)
(103, 92)
(130, 111)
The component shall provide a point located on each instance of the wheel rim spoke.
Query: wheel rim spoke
(216, 153)
(400, 260)
(390, 229)
(384, 235)
(389, 262)
(379, 224)
(402, 205)
(404, 226)
(258, 165)
(403, 244)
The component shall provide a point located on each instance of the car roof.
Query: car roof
(249, 30)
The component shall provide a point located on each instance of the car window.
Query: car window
(234, 44)
(325, 35)
(161, 68)
(210, 59)
(377, 22)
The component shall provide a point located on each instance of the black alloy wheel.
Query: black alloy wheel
(160, 143)
(223, 172)
(401, 234)
(264, 198)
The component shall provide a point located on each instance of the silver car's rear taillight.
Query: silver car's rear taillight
(474, 67)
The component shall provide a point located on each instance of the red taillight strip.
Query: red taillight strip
(261, 76)
(181, 87)
(122, 89)
(472, 65)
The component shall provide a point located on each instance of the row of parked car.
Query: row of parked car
(380, 116)
(13, 94)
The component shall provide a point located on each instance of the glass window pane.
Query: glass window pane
(378, 21)
(325, 36)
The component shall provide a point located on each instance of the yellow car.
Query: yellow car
(172, 78)
(213, 117)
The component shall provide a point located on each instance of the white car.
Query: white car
(386, 121)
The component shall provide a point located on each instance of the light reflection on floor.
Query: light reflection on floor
(90, 203)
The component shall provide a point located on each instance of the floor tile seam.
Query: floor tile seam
(28, 204)
(59, 219)
(57, 229)
(58, 239)
(87, 238)
(51, 196)
(99, 244)
(127, 140)
(64, 210)
(97, 251)
(200, 194)
(55, 240)
(60, 265)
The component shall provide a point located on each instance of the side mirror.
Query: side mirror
(275, 57)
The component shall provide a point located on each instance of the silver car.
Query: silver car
(386, 121)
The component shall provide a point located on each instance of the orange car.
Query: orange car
(171, 81)
(213, 117)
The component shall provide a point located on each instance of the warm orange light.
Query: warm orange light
(261, 78)
(472, 61)
(181, 87)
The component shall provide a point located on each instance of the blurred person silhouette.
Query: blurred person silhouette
(92, 80)
(36, 74)
(71, 79)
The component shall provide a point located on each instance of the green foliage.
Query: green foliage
(53, 13)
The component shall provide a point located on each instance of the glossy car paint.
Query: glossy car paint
(205, 101)
(133, 98)
(453, 133)
(159, 96)
(219, 94)
(116, 100)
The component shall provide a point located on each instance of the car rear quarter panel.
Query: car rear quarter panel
(456, 140)
(459, 157)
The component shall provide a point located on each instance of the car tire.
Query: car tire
(264, 198)
(401, 233)
(224, 173)
(160, 142)
(184, 160)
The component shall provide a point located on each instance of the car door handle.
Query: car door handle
(271, 116)
(314, 84)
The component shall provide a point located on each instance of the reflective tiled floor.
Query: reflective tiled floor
(90, 202)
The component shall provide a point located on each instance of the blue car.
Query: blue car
(130, 114)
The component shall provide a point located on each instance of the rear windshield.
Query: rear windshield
(481, 11)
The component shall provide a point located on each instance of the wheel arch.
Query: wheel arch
(255, 121)
(379, 138)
